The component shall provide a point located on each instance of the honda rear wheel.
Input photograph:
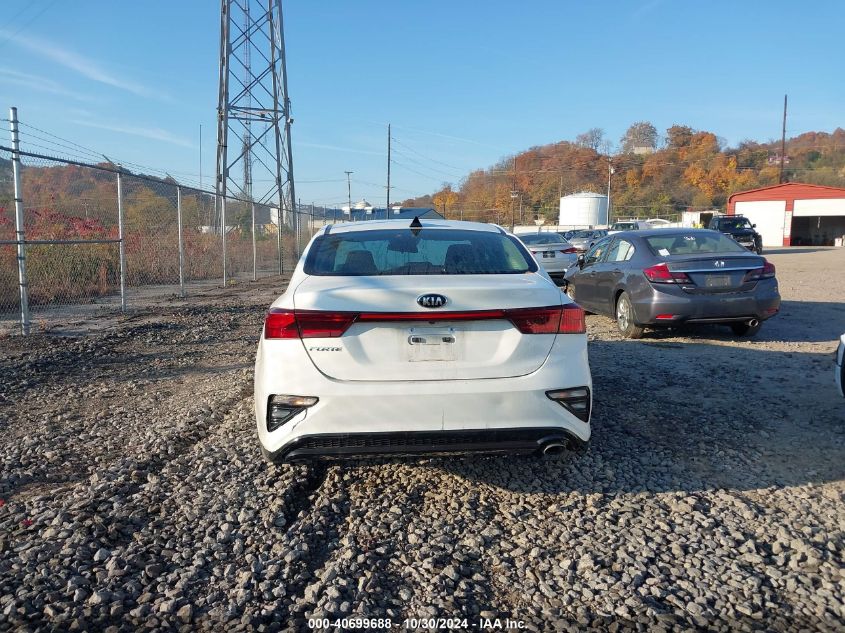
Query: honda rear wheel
(625, 318)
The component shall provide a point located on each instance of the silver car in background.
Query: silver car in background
(583, 240)
(552, 252)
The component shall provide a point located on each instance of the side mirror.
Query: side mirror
(753, 226)
(581, 260)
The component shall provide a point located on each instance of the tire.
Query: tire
(743, 329)
(625, 318)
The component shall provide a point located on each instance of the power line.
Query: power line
(434, 160)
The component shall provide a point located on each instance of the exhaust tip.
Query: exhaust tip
(753, 322)
(554, 448)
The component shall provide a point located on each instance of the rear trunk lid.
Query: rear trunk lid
(717, 273)
(430, 349)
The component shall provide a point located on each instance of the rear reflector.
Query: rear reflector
(575, 400)
(280, 409)
(665, 317)
(282, 323)
(660, 274)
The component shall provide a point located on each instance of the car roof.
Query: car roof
(665, 231)
(375, 225)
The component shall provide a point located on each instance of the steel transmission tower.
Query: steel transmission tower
(254, 157)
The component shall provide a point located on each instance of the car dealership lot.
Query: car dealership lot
(711, 495)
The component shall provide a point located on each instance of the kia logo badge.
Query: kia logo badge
(432, 301)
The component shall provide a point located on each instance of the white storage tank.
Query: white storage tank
(583, 209)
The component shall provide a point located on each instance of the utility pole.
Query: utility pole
(513, 196)
(610, 172)
(349, 190)
(387, 211)
(782, 142)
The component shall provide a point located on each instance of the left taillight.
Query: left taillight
(571, 249)
(282, 323)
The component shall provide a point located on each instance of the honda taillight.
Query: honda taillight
(571, 249)
(283, 323)
(766, 272)
(660, 274)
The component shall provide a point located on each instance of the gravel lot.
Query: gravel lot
(711, 495)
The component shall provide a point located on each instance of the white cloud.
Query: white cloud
(42, 84)
(83, 65)
(154, 133)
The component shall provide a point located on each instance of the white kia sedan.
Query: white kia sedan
(432, 337)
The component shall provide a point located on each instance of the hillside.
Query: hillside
(687, 168)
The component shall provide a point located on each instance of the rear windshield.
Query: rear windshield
(733, 223)
(624, 226)
(432, 252)
(692, 244)
(541, 238)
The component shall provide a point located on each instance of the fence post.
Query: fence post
(181, 245)
(121, 243)
(279, 213)
(19, 228)
(254, 252)
(223, 229)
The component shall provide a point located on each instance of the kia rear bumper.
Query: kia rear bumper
(425, 443)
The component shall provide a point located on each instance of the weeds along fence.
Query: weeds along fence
(99, 235)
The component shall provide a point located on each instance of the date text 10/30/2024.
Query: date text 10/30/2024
(433, 624)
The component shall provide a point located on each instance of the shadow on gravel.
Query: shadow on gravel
(691, 417)
(798, 322)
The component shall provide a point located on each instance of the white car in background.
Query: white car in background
(840, 366)
(552, 251)
(438, 337)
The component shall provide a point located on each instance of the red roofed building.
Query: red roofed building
(793, 214)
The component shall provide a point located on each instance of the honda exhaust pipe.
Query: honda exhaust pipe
(753, 322)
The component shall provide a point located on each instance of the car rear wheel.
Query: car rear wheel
(743, 329)
(625, 318)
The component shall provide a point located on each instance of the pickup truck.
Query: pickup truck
(740, 229)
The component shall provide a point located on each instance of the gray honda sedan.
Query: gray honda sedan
(666, 277)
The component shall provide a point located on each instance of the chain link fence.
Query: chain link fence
(78, 217)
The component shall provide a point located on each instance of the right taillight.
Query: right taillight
(571, 249)
(660, 274)
(766, 272)
(566, 319)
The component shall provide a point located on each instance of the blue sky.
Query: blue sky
(463, 83)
